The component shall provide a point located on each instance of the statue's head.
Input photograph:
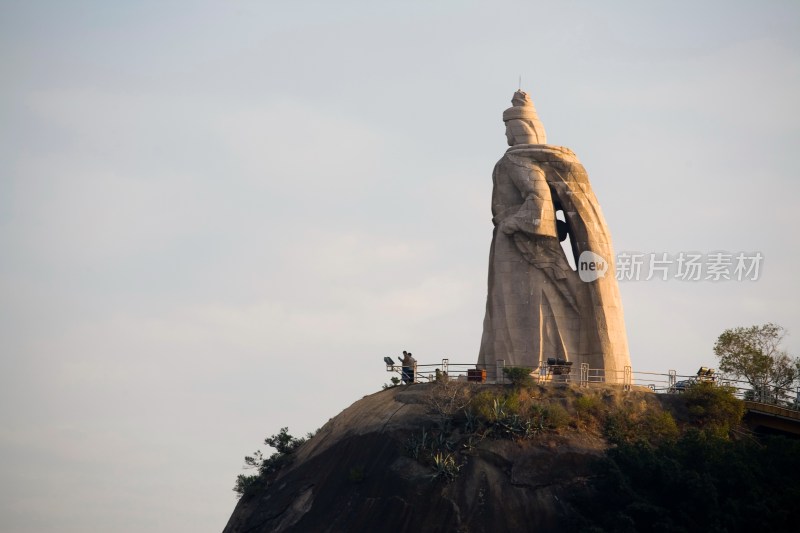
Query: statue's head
(522, 123)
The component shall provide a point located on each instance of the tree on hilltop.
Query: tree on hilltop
(755, 354)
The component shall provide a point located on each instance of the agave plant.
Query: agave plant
(415, 445)
(471, 421)
(440, 442)
(444, 465)
(498, 409)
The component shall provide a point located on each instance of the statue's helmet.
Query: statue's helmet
(522, 122)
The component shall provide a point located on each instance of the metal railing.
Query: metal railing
(669, 382)
(545, 373)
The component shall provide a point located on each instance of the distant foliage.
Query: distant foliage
(755, 354)
(698, 483)
(284, 444)
(714, 408)
(658, 478)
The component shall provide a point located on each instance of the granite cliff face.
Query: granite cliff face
(356, 474)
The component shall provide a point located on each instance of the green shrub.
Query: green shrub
(395, 382)
(619, 426)
(519, 376)
(512, 414)
(626, 425)
(556, 416)
(660, 426)
(481, 404)
(588, 407)
(511, 403)
(714, 408)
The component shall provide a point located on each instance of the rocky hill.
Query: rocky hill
(446, 457)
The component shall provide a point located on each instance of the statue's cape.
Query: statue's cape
(569, 184)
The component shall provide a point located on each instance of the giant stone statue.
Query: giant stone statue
(538, 307)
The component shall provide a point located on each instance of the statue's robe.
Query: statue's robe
(537, 306)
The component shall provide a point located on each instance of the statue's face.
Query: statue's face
(509, 135)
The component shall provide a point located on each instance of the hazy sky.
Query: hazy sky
(216, 218)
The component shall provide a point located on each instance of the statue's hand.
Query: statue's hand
(509, 226)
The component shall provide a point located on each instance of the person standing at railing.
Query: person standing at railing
(408, 363)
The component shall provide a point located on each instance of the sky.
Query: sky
(217, 217)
